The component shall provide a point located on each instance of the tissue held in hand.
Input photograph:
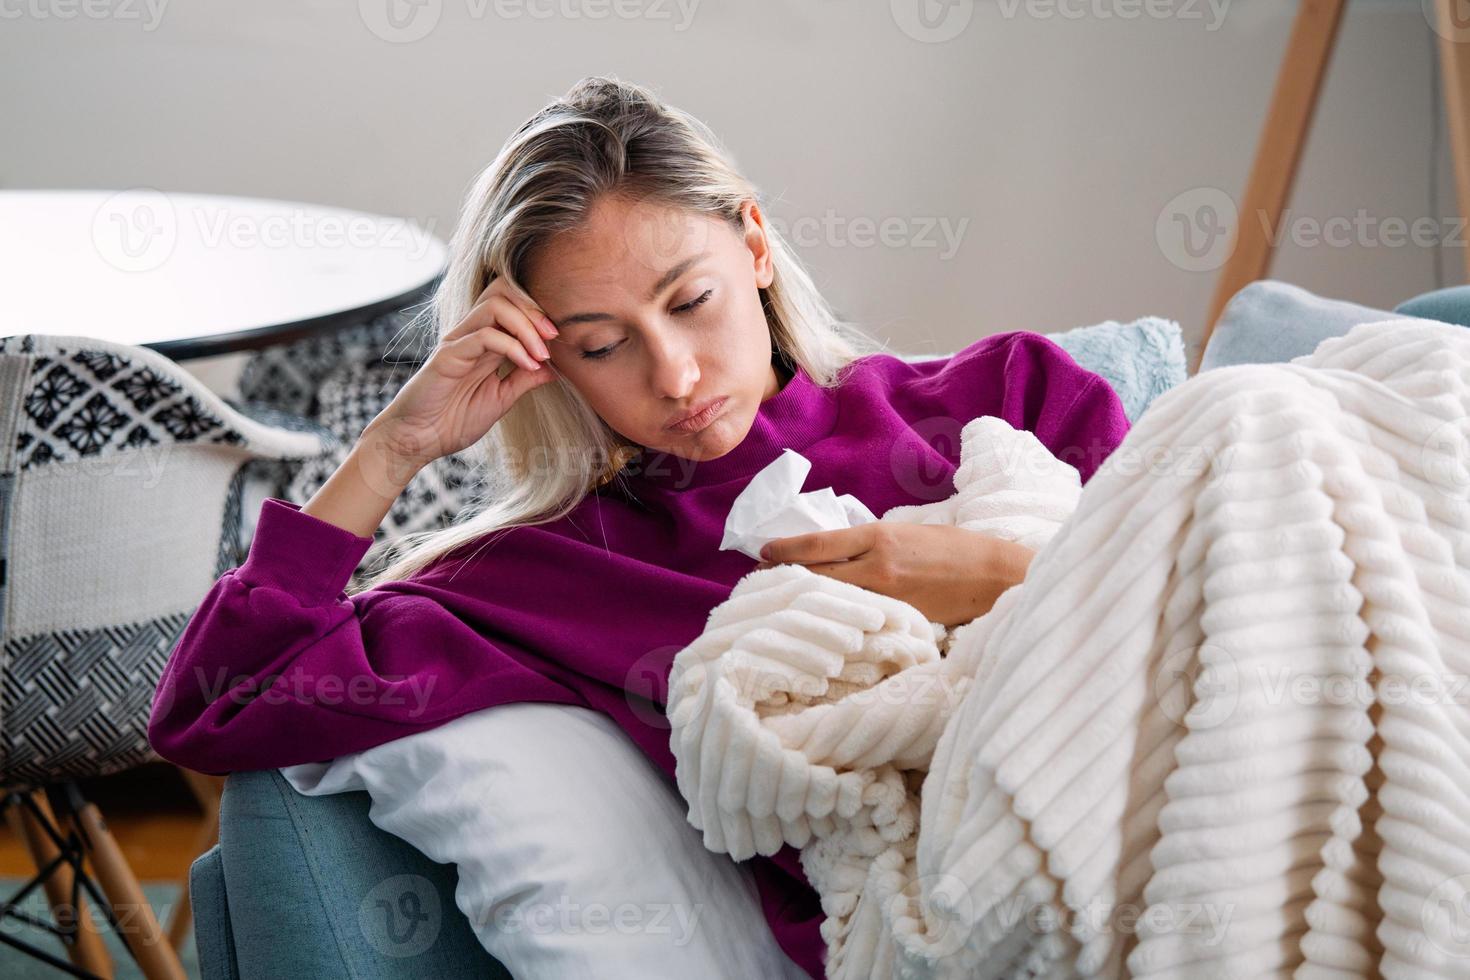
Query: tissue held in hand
(772, 506)
(1008, 485)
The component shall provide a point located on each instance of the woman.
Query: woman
(673, 348)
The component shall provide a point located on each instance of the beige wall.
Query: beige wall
(1048, 143)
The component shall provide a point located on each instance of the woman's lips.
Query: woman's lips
(704, 418)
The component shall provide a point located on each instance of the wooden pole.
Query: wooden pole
(1454, 73)
(1278, 152)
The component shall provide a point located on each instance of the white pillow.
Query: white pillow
(554, 818)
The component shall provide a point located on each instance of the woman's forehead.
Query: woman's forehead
(628, 263)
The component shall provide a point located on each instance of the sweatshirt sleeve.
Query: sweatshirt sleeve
(1034, 384)
(278, 666)
(1086, 432)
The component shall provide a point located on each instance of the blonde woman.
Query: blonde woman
(619, 318)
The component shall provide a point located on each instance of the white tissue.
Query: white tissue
(772, 506)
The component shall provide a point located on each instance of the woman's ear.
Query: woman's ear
(759, 245)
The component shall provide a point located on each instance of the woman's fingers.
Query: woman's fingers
(492, 339)
(821, 546)
(480, 315)
(497, 340)
(540, 322)
(520, 382)
(501, 286)
(515, 320)
(500, 312)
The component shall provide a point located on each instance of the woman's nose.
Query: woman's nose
(675, 369)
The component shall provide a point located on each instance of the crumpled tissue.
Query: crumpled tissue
(772, 506)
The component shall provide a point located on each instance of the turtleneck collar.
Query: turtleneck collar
(793, 418)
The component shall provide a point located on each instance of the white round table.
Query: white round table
(194, 275)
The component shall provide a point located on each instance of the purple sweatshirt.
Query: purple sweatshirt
(278, 666)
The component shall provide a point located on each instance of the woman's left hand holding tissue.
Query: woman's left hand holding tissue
(950, 574)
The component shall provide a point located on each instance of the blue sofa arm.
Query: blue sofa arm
(307, 886)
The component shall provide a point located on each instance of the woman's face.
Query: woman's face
(659, 314)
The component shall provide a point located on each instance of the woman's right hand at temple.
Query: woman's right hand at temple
(449, 403)
(457, 394)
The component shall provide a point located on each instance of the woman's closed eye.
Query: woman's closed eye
(694, 302)
(601, 352)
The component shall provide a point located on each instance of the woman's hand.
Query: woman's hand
(950, 574)
(456, 396)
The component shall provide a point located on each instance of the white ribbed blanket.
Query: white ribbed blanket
(1220, 730)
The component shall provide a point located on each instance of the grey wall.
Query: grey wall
(1053, 142)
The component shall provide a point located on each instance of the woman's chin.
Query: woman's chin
(711, 442)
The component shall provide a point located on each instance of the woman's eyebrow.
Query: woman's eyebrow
(663, 283)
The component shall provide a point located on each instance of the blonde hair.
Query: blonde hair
(603, 137)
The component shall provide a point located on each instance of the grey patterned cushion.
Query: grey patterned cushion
(120, 504)
(447, 489)
(342, 380)
(289, 376)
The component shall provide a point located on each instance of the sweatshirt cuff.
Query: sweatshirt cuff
(306, 556)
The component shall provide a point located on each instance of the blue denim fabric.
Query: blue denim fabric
(316, 891)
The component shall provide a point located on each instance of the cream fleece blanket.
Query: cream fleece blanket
(1220, 730)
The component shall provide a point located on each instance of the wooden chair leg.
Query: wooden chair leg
(207, 790)
(1454, 71)
(86, 950)
(1283, 136)
(139, 928)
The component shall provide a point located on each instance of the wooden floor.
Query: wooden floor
(150, 811)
